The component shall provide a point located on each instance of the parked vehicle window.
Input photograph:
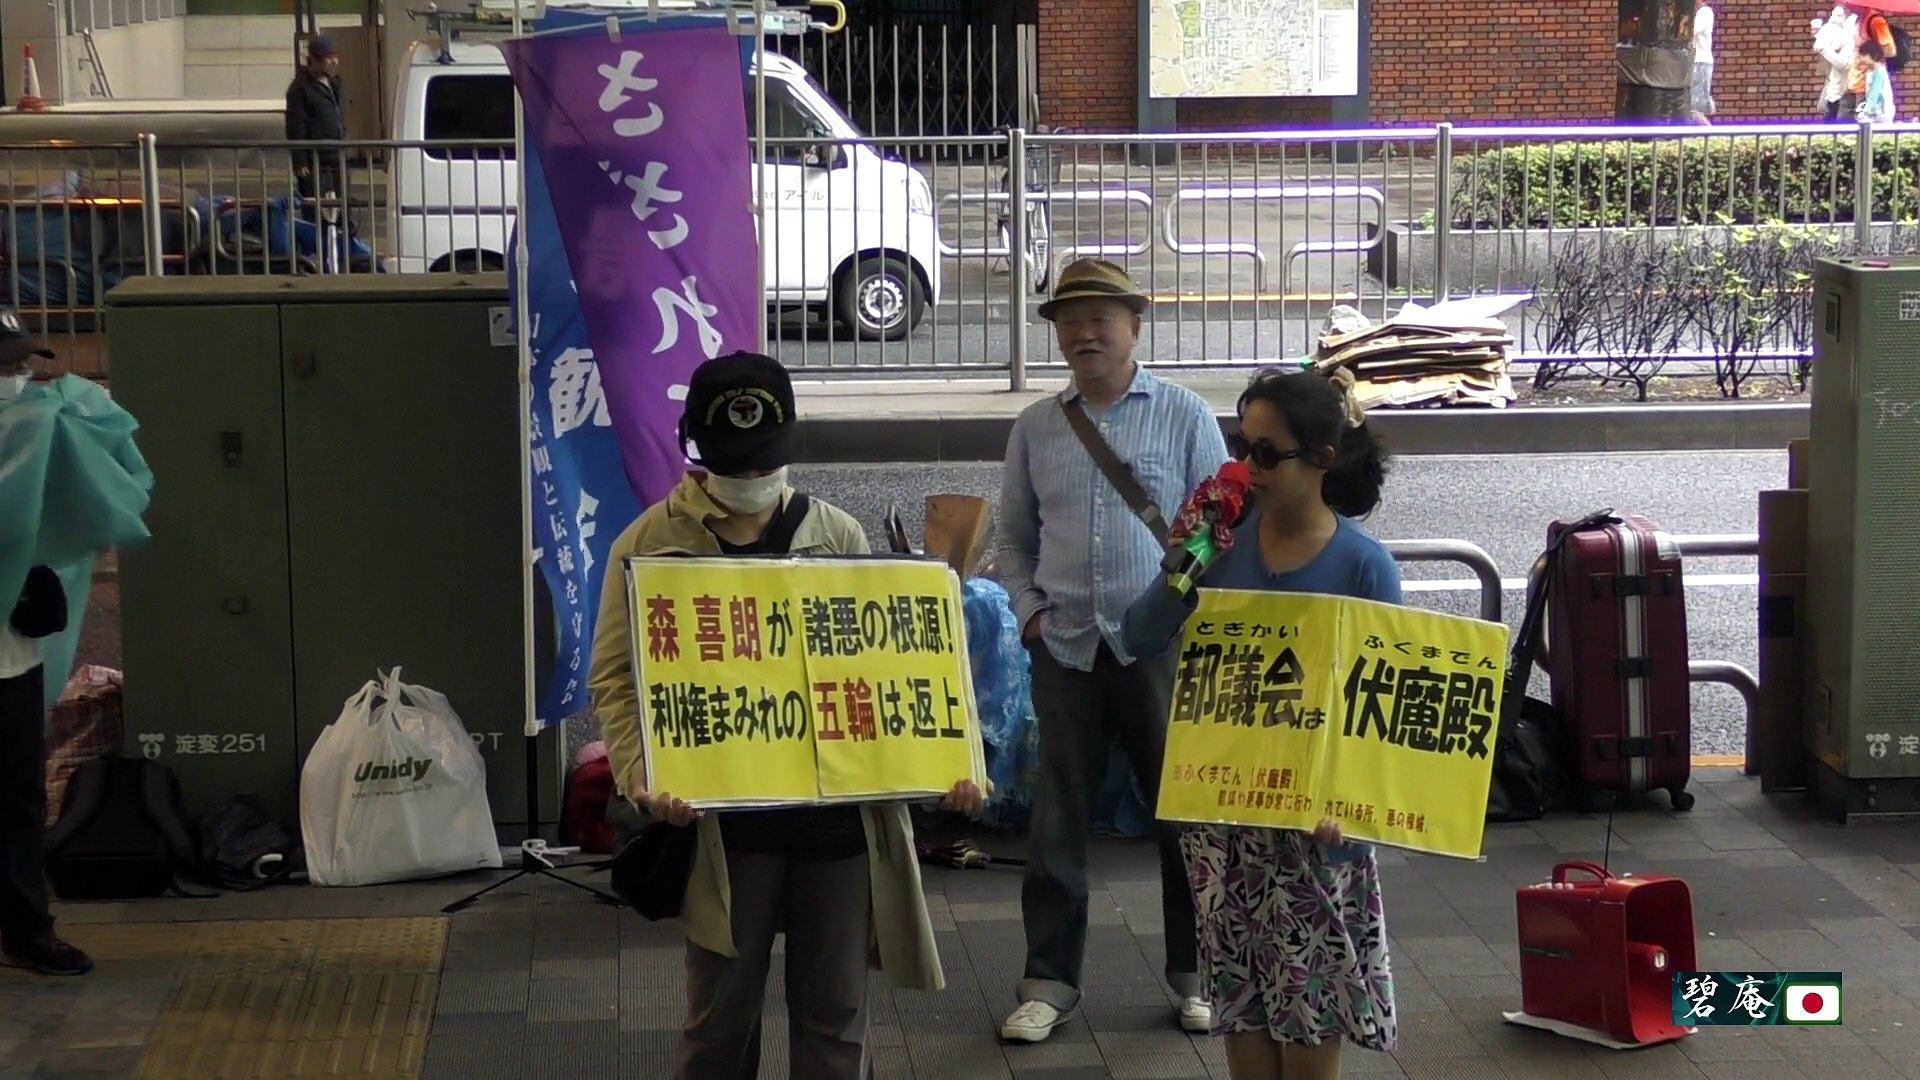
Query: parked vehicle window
(787, 118)
(471, 109)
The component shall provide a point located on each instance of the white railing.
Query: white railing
(882, 266)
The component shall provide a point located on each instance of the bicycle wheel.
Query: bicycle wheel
(1038, 258)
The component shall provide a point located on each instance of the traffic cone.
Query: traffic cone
(30, 87)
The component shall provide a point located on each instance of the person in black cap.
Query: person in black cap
(34, 609)
(317, 112)
(842, 882)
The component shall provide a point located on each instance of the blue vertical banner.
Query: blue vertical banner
(582, 497)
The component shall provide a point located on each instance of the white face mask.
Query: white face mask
(747, 496)
(12, 386)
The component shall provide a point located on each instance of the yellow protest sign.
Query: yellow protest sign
(767, 682)
(1289, 707)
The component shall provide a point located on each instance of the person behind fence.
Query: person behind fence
(1700, 91)
(1869, 26)
(1293, 939)
(1876, 105)
(32, 609)
(841, 882)
(1080, 535)
(317, 112)
(1833, 42)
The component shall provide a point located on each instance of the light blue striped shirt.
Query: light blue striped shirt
(1069, 545)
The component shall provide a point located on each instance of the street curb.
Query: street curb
(1518, 430)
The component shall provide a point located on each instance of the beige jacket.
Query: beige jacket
(903, 934)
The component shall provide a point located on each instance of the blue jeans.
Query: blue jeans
(1080, 714)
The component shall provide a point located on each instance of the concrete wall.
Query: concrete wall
(244, 56)
(143, 61)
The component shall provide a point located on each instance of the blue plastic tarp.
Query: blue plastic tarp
(1003, 691)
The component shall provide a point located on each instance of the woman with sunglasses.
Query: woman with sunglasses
(1293, 941)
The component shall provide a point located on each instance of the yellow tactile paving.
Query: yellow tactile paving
(290, 998)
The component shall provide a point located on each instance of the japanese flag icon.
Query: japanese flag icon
(1812, 1003)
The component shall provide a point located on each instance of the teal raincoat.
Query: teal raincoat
(72, 485)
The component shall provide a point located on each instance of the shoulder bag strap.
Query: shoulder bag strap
(1115, 470)
(780, 536)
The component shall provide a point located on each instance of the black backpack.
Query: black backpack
(122, 833)
(1902, 46)
(244, 848)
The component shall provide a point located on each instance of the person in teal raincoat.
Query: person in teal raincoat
(73, 485)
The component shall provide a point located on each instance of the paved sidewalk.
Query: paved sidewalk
(540, 981)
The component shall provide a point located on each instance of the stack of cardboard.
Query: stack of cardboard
(1778, 740)
(1449, 354)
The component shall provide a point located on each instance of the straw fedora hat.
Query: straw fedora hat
(1087, 279)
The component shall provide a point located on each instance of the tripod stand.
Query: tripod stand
(534, 851)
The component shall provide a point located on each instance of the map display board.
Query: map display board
(1254, 48)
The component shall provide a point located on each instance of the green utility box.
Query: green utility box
(337, 492)
(1862, 575)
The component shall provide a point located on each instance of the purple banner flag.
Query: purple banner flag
(644, 144)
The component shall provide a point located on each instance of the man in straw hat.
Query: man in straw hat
(1081, 536)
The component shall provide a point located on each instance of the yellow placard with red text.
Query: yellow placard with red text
(1289, 708)
(770, 682)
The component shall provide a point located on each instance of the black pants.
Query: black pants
(23, 803)
(825, 911)
(1080, 714)
(325, 178)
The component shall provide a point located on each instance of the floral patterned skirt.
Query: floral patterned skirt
(1293, 937)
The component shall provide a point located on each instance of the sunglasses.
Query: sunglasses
(1263, 454)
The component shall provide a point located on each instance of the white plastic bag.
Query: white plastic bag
(395, 790)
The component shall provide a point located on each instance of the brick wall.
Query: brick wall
(1486, 61)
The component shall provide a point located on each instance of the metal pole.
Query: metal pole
(1442, 207)
(523, 353)
(1863, 188)
(1720, 544)
(760, 160)
(1728, 674)
(1017, 271)
(152, 214)
(1472, 556)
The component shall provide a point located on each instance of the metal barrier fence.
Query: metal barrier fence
(930, 80)
(1646, 250)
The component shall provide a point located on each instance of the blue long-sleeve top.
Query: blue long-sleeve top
(1352, 564)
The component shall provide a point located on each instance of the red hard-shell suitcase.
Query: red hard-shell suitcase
(1617, 645)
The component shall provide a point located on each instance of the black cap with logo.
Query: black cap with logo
(739, 414)
(16, 345)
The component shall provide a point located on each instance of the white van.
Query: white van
(852, 232)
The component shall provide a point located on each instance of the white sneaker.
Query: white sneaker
(1032, 1022)
(1196, 1016)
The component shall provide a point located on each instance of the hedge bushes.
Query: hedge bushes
(1628, 300)
(1705, 180)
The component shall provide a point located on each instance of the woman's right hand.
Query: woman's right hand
(661, 806)
(664, 807)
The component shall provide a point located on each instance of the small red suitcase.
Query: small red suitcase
(1617, 657)
(1599, 952)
